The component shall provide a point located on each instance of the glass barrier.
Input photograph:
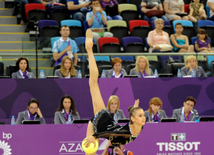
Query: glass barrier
(46, 61)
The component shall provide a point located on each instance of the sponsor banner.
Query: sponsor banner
(155, 139)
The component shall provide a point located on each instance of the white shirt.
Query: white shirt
(69, 76)
(211, 12)
(113, 74)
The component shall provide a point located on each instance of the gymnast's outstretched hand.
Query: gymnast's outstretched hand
(136, 103)
(89, 140)
(89, 40)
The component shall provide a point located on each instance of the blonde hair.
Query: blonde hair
(111, 99)
(157, 20)
(62, 69)
(155, 101)
(137, 69)
(189, 58)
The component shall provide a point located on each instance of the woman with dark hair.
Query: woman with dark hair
(22, 65)
(117, 71)
(102, 122)
(67, 69)
(66, 107)
(32, 113)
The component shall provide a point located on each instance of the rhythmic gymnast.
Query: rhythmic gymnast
(102, 124)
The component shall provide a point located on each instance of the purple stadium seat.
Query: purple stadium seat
(127, 40)
(46, 23)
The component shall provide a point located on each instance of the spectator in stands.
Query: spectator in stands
(180, 42)
(154, 113)
(67, 69)
(111, 7)
(22, 65)
(202, 44)
(141, 67)
(157, 37)
(171, 7)
(117, 71)
(117, 150)
(192, 63)
(113, 107)
(78, 9)
(197, 11)
(65, 46)
(97, 19)
(187, 110)
(66, 107)
(155, 5)
(32, 113)
(22, 9)
(210, 4)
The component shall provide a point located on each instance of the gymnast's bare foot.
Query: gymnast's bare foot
(89, 40)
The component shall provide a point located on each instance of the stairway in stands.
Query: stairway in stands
(14, 40)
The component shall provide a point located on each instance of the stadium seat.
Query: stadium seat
(141, 31)
(193, 39)
(113, 23)
(71, 23)
(50, 31)
(34, 6)
(186, 8)
(205, 23)
(42, 23)
(106, 40)
(81, 45)
(210, 59)
(135, 23)
(123, 7)
(86, 26)
(111, 48)
(60, 14)
(128, 15)
(183, 22)
(133, 44)
(173, 68)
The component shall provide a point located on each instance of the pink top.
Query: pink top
(154, 38)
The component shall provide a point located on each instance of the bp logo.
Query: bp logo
(5, 147)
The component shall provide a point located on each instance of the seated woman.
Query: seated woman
(22, 65)
(67, 69)
(197, 11)
(192, 63)
(171, 7)
(111, 7)
(117, 71)
(187, 110)
(202, 44)
(141, 67)
(32, 113)
(158, 36)
(180, 42)
(155, 5)
(66, 107)
(154, 113)
(102, 121)
(113, 107)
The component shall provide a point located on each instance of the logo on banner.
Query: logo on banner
(5, 147)
(178, 143)
(75, 147)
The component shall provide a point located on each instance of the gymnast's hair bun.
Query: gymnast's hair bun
(129, 108)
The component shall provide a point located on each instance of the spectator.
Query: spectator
(192, 63)
(180, 42)
(117, 71)
(197, 11)
(155, 5)
(111, 8)
(113, 107)
(210, 4)
(65, 46)
(78, 9)
(32, 113)
(154, 113)
(117, 150)
(66, 107)
(202, 44)
(97, 19)
(22, 9)
(158, 36)
(171, 7)
(141, 67)
(187, 110)
(22, 65)
(67, 69)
